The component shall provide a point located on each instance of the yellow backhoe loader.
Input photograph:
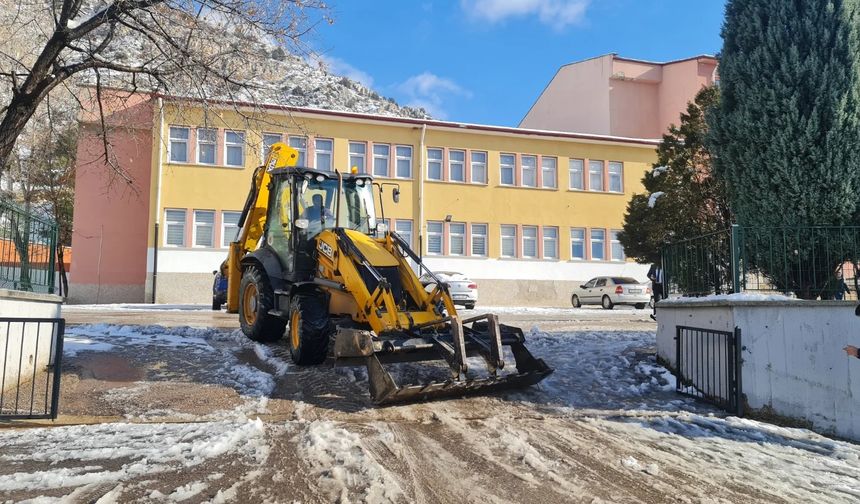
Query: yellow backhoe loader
(311, 263)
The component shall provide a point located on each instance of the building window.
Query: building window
(178, 144)
(529, 164)
(434, 164)
(322, 153)
(269, 139)
(206, 145)
(509, 240)
(174, 228)
(457, 165)
(204, 228)
(575, 170)
(550, 243)
(381, 153)
(549, 172)
(508, 165)
(299, 143)
(434, 238)
(234, 147)
(598, 249)
(229, 227)
(595, 175)
(530, 241)
(457, 238)
(358, 156)
(616, 176)
(479, 167)
(577, 243)
(479, 239)
(404, 229)
(615, 248)
(403, 161)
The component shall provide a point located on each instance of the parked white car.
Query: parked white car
(609, 291)
(463, 290)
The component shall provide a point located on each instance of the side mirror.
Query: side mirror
(396, 194)
(582, 286)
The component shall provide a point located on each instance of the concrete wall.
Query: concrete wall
(33, 354)
(793, 362)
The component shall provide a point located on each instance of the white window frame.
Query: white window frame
(572, 172)
(581, 241)
(592, 240)
(213, 143)
(525, 238)
(452, 234)
(617, 175)
(436, 162)
(550, 240)
(354, 156)
(479, 231)
(168, 223)
(460, 163)
(320, 151)
(480, 164)
(398, 158)
(264, 148)
(234, 145)
(503, 167)
(549, 173)
(172, 139)
(196, 224)
(512, 237)
(613, 241)
(440, 234)
(386, 157)
(591, 171)
(406, 235)
(300, 143)
(226, 236)
(523, 170)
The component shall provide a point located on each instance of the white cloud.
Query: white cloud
(430, 91)
(338, 66)
(555, 13)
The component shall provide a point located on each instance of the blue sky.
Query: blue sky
(486, 61)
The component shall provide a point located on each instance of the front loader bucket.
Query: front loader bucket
(485, 338)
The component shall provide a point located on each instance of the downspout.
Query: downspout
(158, 197)
(422, 169)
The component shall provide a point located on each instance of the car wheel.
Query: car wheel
(469, 306)
(639, 306)
(607, 303)
(574, 300)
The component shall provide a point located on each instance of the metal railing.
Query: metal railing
(809, 262)
(28, 245)
(30, 367)
(709, 366)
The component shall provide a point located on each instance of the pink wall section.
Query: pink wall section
(113, 250)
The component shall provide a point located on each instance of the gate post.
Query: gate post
(736, 271)
(739, 406)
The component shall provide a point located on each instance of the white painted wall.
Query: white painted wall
(25, 350)
(793, 360)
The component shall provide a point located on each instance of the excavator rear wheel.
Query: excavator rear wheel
(310, 328)
(256, 298)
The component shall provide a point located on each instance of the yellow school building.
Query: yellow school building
(527, 214)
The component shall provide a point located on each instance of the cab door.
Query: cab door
(279, 224)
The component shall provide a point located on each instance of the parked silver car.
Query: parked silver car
(609, 291)
(463, 290)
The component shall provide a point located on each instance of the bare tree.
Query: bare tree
(198, 48)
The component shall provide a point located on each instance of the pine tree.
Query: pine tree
(786, 134)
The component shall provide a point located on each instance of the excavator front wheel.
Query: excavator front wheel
(310, 328)
(255, 301)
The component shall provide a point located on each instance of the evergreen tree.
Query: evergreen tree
(682, 199)
(786, 134)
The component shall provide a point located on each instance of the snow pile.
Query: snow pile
(659, 170)
(652, 200)
(740, 296)
(346, 469)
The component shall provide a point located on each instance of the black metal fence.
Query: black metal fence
(28, 245)
(30, 367)
(809, 262)
(709, 366)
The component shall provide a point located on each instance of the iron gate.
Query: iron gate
(709, 366)
(30, 365)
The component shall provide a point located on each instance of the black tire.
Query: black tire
(310, 328)
(469, 306)
(607, 303)
(639, 306)
(256, 298)
(216, 304)
(575, 302)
